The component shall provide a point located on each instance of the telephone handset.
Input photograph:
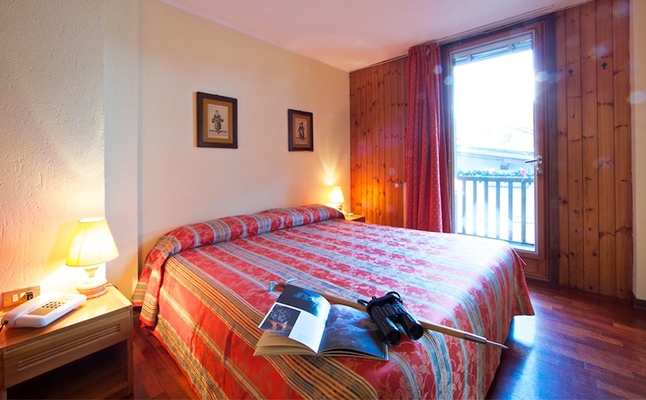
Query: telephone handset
(42, 310)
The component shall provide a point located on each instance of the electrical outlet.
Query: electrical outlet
(15, 297)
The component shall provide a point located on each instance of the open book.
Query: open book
(303, 322)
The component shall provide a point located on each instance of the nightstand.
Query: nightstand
(85, 354)
(355, 218)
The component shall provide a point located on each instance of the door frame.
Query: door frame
(543, 263)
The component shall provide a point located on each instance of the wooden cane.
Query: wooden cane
(426, 324)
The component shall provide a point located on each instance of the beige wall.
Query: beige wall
(122, 104)
(180, 183)
(638, 90)
(54, 58)
(97, 103)
(51, 130)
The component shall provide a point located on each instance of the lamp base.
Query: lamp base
(93, 287)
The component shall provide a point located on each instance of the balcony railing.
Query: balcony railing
(500, 207)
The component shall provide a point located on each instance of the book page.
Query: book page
(298, 314)
(351, 331)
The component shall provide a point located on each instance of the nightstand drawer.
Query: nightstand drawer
(44, 353)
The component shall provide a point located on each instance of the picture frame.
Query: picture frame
(300, 131)
(217, 121)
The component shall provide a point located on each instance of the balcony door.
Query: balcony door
(498, 140)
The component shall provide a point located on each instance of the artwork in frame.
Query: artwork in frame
(217, 121)
(301, 131)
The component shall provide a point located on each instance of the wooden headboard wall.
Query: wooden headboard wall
(378, 142)
(593, 192)
(594, 148)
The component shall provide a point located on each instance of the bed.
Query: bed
(203, 292)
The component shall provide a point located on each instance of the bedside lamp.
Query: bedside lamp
(92, 245)
(335, 197)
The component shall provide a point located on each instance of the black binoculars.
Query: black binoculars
(389, 310)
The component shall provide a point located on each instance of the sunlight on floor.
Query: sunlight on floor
(524, 330)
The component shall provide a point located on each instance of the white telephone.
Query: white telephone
(42, 310)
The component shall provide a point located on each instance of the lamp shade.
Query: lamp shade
(336, 195)
(92, 244)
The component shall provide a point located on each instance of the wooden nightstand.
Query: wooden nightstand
(355, 218)
(85, 354)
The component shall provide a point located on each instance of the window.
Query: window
(493, 135)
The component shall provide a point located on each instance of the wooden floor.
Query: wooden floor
(157, 375)
(578, 346)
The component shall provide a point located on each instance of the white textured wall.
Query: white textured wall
(180, 183)
(51, 130)
(122, 103)
(638, 74)
(62, 62)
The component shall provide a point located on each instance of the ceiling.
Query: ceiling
(353, 34)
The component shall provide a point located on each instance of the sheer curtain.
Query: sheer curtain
(427, 197)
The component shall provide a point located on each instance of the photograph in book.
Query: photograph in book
(303, 322)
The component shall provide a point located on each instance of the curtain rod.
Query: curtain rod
(503, 23)
(483, 29)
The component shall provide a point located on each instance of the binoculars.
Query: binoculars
(389, 310)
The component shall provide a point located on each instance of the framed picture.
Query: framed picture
(217, 121)
(301, 131)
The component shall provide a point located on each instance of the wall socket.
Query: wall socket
(14, 297)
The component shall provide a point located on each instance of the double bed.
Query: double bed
(203, 292)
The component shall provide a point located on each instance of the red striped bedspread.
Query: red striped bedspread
(203, 291)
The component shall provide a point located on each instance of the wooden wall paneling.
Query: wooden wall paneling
(589, 148)
(552, 196)
(380, 177)
(402, 93)
(367, 157)
(370, 145)
(388, 162)
(606, 146)
(374, 157)
(354, 155)
(562, 146)
(356, 179)
(356, 134)
(594, 148)
(369, 205)
(393, 174)
(592, 141)
(575, 173)
(377, 137)
(363, 103)
(367, 136)
(623, 182)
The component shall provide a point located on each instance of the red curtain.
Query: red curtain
(427, 197)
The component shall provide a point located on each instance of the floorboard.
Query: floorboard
(577, 346)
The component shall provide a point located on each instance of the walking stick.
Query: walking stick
(426, 324)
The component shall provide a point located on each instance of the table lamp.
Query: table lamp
(335, 197)
(92, 246)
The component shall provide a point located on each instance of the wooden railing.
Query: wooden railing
(488, 204)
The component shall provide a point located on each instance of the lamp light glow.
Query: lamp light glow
(335, 197)
(92, 245)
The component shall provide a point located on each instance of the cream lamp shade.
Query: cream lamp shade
(335, 197)
(92, 245)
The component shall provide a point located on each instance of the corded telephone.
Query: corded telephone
(42, 310)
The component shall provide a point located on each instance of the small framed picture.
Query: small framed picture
(217, 121)
(301, 131)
